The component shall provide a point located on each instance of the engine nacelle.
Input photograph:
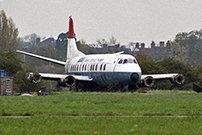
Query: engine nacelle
(35, 78)
(29, 76)
(178, 79)
(68, 81)
(148, 81)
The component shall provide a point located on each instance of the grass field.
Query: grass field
(155, 112)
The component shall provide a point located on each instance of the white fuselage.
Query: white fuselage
(106, 69)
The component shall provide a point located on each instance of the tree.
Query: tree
(148, 64)
(151, 67)
(198, 71)
(179, 53)
(101, 41)
(81, 44)
(25, 85)
(174, 66)
(112, 40)
(167, 65)
(31, 40)
(61, 44)
(10, 63)
(9, 40)
(191, 45)
(141, 56)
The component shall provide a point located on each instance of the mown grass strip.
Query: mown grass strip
(156, 112)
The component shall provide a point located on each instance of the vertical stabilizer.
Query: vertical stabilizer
(71, 28)
(72, 50)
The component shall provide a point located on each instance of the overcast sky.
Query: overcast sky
(126, 20)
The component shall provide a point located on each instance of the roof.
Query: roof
(3, 73)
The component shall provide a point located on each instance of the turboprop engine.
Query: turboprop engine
(178, 79)
(147, 82)
(68, 81)
(35, 78)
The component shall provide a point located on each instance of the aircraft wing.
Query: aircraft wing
(160, 76)
(43, 58)
(148, 80)
(50, 76)
(66, 79)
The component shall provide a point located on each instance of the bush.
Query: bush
(25, 85)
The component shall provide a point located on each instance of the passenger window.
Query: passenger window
(120, 61)
(96, 67)
(82, 67)
(104, 67)
(77, 68)
(85, 67)
(101, 67)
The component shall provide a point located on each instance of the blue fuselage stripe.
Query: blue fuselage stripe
(105, 79)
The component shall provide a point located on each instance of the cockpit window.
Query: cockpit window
(120, 61)
(134, 61)
(125, 61)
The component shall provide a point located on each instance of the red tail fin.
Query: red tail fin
(71, 28)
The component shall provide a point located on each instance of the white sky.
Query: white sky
(126, 20)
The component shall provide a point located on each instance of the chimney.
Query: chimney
(152, 44)
(162, 43)
(38, 40)
(168, 44)
(137, 45)
(142, 45)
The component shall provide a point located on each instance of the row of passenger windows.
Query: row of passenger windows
(88, 67)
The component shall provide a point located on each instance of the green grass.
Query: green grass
(103, 113)
(104, 104)
(101, 125)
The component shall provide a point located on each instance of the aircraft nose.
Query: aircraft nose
(134, 77)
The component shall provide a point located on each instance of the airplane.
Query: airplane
(98, 70)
